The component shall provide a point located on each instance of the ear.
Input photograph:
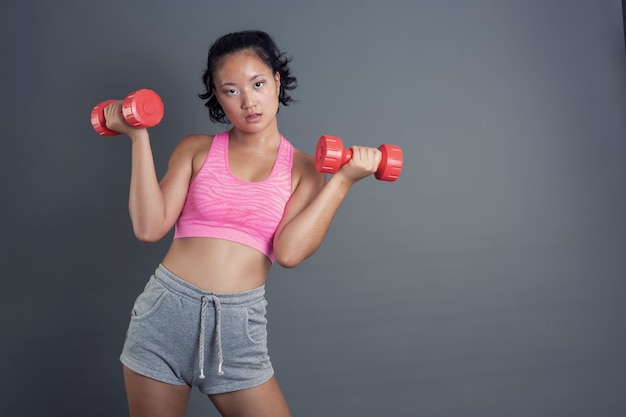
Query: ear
(277, 79)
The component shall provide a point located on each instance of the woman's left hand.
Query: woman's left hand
(364, 162)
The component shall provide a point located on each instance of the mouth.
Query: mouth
(251, 118)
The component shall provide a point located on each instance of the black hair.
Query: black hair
(264, 47)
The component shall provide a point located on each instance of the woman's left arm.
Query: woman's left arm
(313, 205)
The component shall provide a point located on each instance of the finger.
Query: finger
(359, 155)
(378, 156)
(113, 108)
(369, 156)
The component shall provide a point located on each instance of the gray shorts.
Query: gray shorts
(182, 335)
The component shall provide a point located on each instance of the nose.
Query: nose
(247, 100)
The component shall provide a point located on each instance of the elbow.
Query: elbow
(289, 254)
(147, 235)
(146, 238)
(287, 263)
(149, 231)
(289, 259)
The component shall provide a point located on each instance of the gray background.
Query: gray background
(488, 281)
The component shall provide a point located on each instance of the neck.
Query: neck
(259, 142)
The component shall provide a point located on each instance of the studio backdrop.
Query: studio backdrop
(489, 280)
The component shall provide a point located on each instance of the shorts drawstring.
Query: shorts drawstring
(218, 333)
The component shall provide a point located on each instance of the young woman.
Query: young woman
(239, 200)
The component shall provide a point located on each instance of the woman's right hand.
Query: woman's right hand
(115, 120)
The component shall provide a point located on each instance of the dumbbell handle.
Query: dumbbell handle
(346, 156)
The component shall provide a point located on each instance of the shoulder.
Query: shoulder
(304, 172)
(188, 155)
(194, 141)
(191, 145)
(302, 161)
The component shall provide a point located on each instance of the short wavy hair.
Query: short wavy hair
(264, 47)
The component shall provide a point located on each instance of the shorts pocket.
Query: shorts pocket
(149, 300)
(256, 322)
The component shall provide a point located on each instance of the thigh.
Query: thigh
(265, 400)
(150, 398)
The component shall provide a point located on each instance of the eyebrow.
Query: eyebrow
(251, 79)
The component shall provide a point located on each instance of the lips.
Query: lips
(251, 118)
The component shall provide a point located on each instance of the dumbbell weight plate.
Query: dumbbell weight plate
(142, 108)
(98, 120)
(390, 164)
(329, 154)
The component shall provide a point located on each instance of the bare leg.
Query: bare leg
(266, 400)
(150, 398)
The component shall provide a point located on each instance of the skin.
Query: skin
(248, 91)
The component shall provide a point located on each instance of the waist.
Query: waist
(217, 265)
(260, 240)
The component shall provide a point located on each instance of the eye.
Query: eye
(259, 84)
(230, 92)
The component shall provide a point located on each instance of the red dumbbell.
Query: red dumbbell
(141, 108)
(330, 155)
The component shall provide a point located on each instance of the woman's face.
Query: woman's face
(247, 90)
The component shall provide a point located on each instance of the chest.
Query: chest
(251, 167)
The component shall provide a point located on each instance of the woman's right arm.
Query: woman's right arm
(154, 206)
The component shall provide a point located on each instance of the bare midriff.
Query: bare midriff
(217, 265)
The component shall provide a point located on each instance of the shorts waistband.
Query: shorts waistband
(186, 289)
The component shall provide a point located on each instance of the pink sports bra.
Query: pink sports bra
(220, 205)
